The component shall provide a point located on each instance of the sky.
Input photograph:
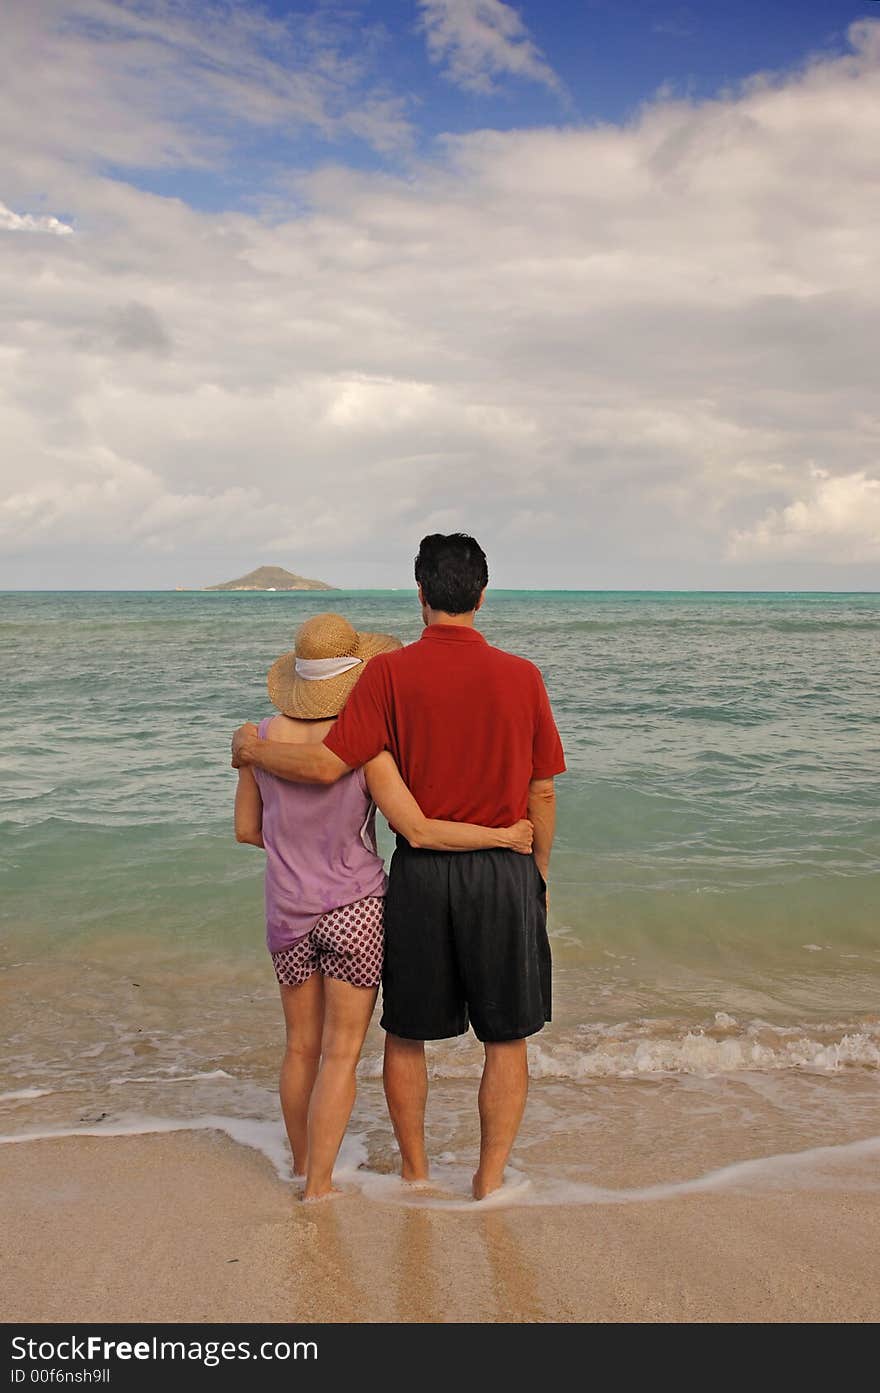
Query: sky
(594, 280)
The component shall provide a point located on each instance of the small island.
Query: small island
(271, 578)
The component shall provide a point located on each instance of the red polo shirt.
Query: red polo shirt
(469, 725)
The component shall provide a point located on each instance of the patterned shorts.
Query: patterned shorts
(346, 943)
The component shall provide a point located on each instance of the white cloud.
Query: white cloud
(150, 84)
(840, 519)
(84, 497)
(478, 41)
(32, 222)
(617, 354)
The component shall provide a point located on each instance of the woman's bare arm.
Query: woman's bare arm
(397, 804)
(248, 809)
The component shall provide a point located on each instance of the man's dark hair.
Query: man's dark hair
(452, 572)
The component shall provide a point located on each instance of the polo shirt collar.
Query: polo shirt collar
(453, 633)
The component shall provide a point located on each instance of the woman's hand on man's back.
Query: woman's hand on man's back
(521, 836)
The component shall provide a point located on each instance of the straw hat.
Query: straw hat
(315, 681)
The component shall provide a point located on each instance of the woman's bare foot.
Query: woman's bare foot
(414, 1175)
(317, 1195)
(483, 1185)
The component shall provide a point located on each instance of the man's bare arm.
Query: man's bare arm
(301, 764)
(542, 815)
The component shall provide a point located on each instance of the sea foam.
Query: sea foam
(642, 1048)
(814, 1168)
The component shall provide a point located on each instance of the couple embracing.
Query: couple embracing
(455, 742)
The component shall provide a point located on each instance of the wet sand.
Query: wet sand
(189, 1226)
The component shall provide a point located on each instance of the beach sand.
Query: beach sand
(190, 1226)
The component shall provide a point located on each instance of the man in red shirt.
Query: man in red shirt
(471, 729)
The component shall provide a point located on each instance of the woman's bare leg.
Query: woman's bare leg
(347, 1012)
(304, 1017)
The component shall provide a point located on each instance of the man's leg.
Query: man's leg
(504, 960)
(502, 1100)
(406, 1091)
(422, 993)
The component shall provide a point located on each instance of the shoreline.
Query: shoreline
(410, 590)
(193, 1226)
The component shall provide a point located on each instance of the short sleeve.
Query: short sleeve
(363, 729)
(548, 758)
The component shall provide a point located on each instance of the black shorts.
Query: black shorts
(465, 940)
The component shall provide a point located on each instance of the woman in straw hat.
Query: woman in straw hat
(325, 884)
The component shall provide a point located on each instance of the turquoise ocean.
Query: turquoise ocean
(715, 915)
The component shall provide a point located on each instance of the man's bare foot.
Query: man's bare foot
(485, 1185)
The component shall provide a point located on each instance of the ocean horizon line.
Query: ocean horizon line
(411, 590)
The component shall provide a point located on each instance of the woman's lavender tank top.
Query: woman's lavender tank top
(320, 850)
